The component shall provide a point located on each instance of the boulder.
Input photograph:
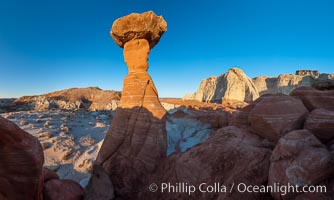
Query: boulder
(56, 189)
(21, 162)
(146, 25)
(240, 118)
(314, 99)
(100, 185)
(321, 123)
(48, 174)
(231, 155)
(300, 159)
(275, 115)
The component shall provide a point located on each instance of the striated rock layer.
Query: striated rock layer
(136, 142)
(276, 114)
(21, 162)
(233, 85)
(321, 123)
(91, 98)
(286, 83)
(300, 159)
(230, 156)
(314, 99)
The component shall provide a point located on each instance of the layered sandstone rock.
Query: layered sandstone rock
(275, 115)
(233, 85)
(286, 83)
(314, 99)
(236, 85)
(21, 162)
(300, 159)
(136, 141)
(314, 73)
(91, 98)
(321, 123)
(230, 156)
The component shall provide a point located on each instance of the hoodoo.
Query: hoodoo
(136, 141)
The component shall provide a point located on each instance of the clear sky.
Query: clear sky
(51, 45)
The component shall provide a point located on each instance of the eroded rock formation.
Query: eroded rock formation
(231, 155)
(233, 85)
(275, 115)
(321, 123)
(286, 83)
(91, 98)
(138, 26)
(236, 85)
(314, 99)
(136, 141)
(21, 162)
(300, 159)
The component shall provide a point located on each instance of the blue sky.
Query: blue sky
(52, 45)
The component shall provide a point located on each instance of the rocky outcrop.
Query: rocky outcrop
(275, 115)
(299, 159)
(91, 98)
(21, 162)
(8, 105)
(321, 123)
(314, 73)
(314, 99)
(233, 85)
(286, 83)
(230, 156)
(136, 142)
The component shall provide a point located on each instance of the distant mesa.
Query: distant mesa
(146, 26)
(236, 85)
(90, 98)
(286, 83)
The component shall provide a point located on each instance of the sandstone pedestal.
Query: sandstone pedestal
(136, 142)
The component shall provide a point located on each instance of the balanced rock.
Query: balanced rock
(321, 123)
(313, 98)
(138, 26)
(21, 162)
(231, 155)
(276, 114)
(300, 159)
(136, 142)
